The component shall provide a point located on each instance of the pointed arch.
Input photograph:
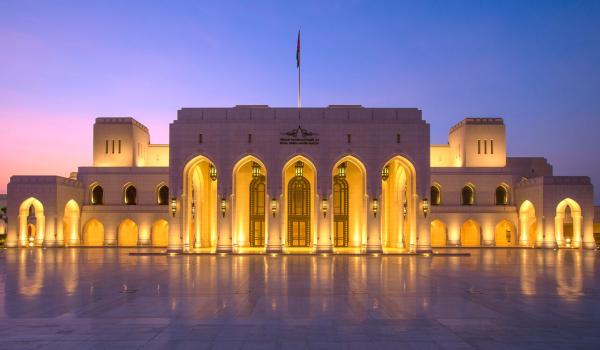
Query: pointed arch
(249, 177)
(502, 194)
(436, 194)
(568, 223)
(470, 234)
(160, 233)
(527, 224)
(300, 179)
(96, 194)
(127, 234)
(70, 222)
(505, 234)
(438, 233)
(162, 194)
(129, 194)
(200, 179)
(349, 202)
(32, 222)
(93, 233)
(467, 194)
(399, 203)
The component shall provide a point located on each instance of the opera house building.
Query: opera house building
(340, 179)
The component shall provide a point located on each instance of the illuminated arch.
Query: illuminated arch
(160, 233)
(349, 202)
(399, 203)
(93, 233)
(249, 178)
(127, 235)
(301, 224)
(527, 224)
(200, 203)
(568, 234)
(70, 222)
(505, 234)
(27, 235)
(438, 233)
(470, 234)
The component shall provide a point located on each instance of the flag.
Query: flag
(298, 52)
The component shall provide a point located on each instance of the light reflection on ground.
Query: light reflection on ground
(104, 297)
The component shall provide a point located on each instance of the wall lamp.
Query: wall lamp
(273, 206)
(425, 207)
(223, 206)
(375, 207)
(212, 172)
(324, 207)
(173, 206)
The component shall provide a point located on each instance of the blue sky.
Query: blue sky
(533, 63)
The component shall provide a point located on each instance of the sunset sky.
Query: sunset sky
(63, 63)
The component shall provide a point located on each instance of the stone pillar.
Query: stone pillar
(274, 225)
(523, 231)
(41, 227)
(587, 226)
(110, 233)
(324, 224)
(423, 234)
(373, 229)
(224, 226)
(558, 231)
(176, 228)
(576, 243)
(548, 240)
(488, 236)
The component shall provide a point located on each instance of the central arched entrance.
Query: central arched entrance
(93, 233)
(299, 178)
(127, 234)
(528, 224)
(199, 200)
(349, 203)
(399, 203)
(32, 222)
(567, 223)
(250, 198)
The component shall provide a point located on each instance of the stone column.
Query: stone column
(274, 225)
(373, 229)
(324, 244)
(224, 225)
(423, 233)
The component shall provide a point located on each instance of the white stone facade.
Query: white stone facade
(336, 179)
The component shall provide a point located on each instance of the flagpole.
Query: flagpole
(298, 87)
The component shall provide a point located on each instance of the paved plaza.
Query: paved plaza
(492, 299)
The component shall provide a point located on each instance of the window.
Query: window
(478, 146)
(199, 138)
(501, 195)
(130, 195)
(340, 211)
(436, 197)
(113, 146)
(249, 138)
(484, 146)
(163, 195)
(349, 138)
(492, 146)
(97, 195)
(298, 211)
(119, 146)
(106, 146)
(468, 195)
(257, 211)
(397, 138)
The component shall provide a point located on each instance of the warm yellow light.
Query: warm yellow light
(223, 206)
(273, 206)
(342, 170)
(255, 170)
(273, 255)
(385, 173)
(324, 207)
(375, 207)
(173, 206)
(425, 207)
(299, 168)
(212, 172)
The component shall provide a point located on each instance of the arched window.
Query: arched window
(436, 195)
(97, 195)
(163, 195)
(468, 195)
(130, 195)
(501, 195)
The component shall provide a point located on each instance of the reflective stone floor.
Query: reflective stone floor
(493, 299)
